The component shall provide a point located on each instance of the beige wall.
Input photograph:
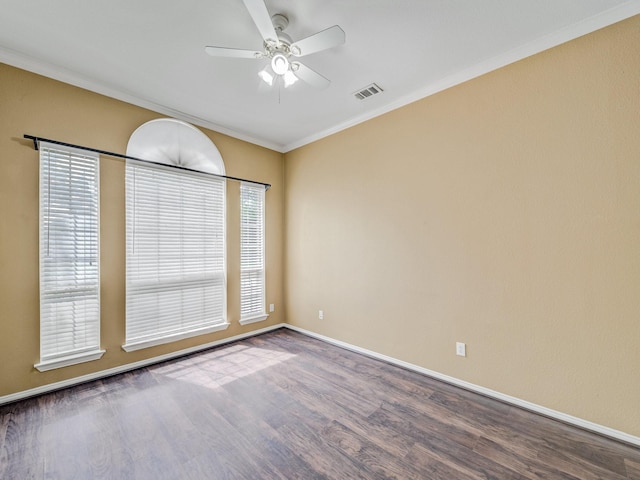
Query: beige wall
(504, 213)
(35, 105)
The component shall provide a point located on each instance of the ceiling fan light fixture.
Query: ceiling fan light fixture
(266, 77)
(289, 78)
(279, 48)
(280, 64)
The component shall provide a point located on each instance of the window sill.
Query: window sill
(69, 360)
(139, 345)
(254, 319)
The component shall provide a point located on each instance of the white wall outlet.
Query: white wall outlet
(461, 349)
(272, 307)
(320, 315)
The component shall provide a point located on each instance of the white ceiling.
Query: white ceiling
(151, 53)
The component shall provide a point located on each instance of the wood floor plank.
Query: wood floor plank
(528, 466)
(321, 392)
(416, 424)
(384, 436)
(567, 462)
(4, 445)
(448, 445)
(580, 443)
(323, 457)
(461, 461)
(285, 406)
(22, 449)
(424, 461)
(633, 469)
(377, 460)
(247, 414)
(555, 431)
(225, 427)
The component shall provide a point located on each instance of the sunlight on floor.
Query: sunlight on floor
(219, 367)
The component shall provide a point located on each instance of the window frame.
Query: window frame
(136, 287)
(54, 272)
(247, 232)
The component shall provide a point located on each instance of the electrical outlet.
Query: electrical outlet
(461, 349)
(320, 315)
(271, 307)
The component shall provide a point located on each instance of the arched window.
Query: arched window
(176, 264)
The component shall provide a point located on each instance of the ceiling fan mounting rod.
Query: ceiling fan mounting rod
(280, 22)
(283, 43)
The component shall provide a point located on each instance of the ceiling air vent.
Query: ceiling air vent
(367, 92)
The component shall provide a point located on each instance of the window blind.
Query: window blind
(252, 279)
(175, 272)
(69, 257)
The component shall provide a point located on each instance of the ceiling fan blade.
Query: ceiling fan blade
(329, 38)
(262, 19)
(232, 52)
(310, 76)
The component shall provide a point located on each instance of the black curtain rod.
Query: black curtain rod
(267, 186)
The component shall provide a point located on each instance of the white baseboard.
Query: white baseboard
(563, 417)
(129, 366)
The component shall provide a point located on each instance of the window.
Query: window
(69, 257)
(176, 286)
(252, 295)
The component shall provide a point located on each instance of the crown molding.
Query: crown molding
(571, 32)
(46, 69)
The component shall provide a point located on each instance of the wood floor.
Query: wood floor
(286, 406)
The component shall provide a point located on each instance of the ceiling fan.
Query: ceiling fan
(281, 50)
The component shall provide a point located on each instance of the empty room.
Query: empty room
(246, 239)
